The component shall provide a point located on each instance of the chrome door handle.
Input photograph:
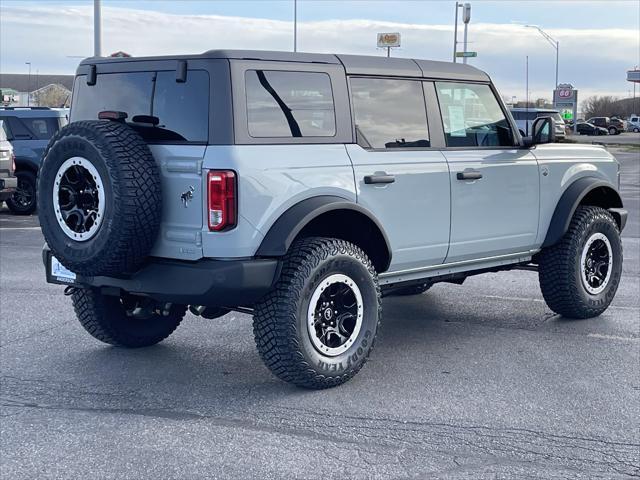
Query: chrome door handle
(382, 178)
(469, 175)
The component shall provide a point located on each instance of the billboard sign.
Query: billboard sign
(387, 40)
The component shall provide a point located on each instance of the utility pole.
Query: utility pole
(295, 25)
(97, 29)
(554, 43)
(466, 18)
(29, 85)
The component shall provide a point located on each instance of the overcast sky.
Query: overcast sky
(599, 40)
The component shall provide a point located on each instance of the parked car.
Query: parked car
(525, 117)
(614, 126)
(585, 128)
(633, 124)
(8, 181)
(301, 188)
(29, 130)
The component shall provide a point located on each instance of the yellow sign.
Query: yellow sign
(388, 40)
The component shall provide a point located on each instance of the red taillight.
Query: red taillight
(13, 162)
(221, 186)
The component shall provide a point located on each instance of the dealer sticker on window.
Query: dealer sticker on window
(60, 272)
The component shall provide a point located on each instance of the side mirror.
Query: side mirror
(543, 130)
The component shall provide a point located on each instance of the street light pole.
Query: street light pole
(29, 85)
(455, 35)
(554, 43)
(295, 25)
(466, 18)
(97, 29)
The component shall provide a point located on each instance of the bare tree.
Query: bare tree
(599, 106)
(52, 96)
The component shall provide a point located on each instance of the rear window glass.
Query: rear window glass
(289, 104)
(3, 132)
(32, 128)
(157, 106)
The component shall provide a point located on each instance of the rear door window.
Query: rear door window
(472, 117)
(289, 104)
(158, 107)
(389, 113)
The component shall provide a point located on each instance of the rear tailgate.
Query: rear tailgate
(183, 206)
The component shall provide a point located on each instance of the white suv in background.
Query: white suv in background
(525, 117)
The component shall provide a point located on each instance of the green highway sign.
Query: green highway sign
(466, 54)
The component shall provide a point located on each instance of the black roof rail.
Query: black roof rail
(25, 108)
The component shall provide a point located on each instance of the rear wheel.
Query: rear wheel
(23, 201)
(613, 131)
(318, 325)
(125, 321)
(579, 276)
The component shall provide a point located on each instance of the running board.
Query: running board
(524, 258)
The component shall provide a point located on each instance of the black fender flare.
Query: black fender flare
(569, 201)
(283, 232)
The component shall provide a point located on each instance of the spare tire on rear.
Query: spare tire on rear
(100, 198)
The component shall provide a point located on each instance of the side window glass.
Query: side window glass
(389, 113)
(289, 104)
(41, 128)
(472, 116)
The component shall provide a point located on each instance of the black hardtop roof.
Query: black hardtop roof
(353, 64)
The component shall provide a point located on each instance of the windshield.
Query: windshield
(3, 133)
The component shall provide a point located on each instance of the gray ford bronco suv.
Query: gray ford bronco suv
(301, 188)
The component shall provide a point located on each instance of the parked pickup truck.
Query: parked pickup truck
(8, 181)
(301, 188)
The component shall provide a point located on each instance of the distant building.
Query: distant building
(17, 89)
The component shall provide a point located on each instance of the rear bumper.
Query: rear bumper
(220, 283)
(7, 187)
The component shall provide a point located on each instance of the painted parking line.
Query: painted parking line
(19, 228)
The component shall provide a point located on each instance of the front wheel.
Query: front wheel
(23, 201)
(579, 275)
(318, 325)
(613, 131)
(125, 321)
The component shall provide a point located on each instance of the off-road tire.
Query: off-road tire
(26, 179)
(105, 318)
(559, 268)
(133, 200)
(280, 319)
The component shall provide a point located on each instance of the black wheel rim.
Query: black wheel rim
(335, 315)
(78, 199)
(596, 263)
(25, 194)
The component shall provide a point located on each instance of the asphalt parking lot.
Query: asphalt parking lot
(495, 386)
(625, 138)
